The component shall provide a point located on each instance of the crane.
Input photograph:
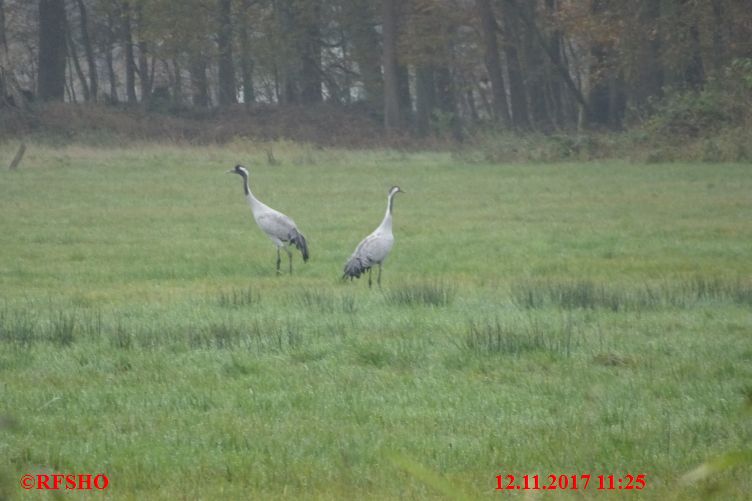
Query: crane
(277, 226)
(375, 247)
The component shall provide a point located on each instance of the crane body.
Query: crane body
(280, 229)
(375, 248)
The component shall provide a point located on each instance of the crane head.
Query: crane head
(239, 169)
(395, 189)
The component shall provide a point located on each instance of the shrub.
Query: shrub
(724, 102)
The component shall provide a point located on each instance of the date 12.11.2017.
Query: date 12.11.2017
(570, 482)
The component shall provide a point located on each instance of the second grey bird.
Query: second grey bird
(278, 227)
(375, 247)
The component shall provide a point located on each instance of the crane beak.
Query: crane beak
(231, 171)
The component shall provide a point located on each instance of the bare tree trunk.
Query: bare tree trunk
(246, 68)
(344, 90)
(605, 100)
(246, 61)
(720, 35)
(389, 54)
(310, 91)
(598, 95)
(145, 76)
(177, 83)
(694, 74)
(51, 84)
(199, 81)
(90, 60)
(3, 56)
(487, 106)
(470, 100)
(445, 95)
(130, 64)
(289, 90)
(365, 48)
(617, 104)
(335, 92)
(557, 62)
(310, 55)
(556, 105)
(447, 99)
(517, 94)
(110, 60)
(112, 76)
(277, 91)
(493, 62)
(425, 98)
(3, 40)
(152, 71)
(287, 71)
(70, 85)
(226, 82)
(649, 74)
(73, 56)
(535, 73)
(405, 99)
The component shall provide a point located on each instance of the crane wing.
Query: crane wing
(276, 225)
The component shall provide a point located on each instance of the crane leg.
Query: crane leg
(289, 256)
(369, 278)
(279, 260)
(379, 277)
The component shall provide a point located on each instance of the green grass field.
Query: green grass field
(535, 319)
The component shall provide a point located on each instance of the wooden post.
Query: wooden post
(18, 157)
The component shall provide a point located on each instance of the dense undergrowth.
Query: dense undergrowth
(711, 124)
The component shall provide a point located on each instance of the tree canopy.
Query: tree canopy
(416, 64)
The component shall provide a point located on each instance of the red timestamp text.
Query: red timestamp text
(570, 482)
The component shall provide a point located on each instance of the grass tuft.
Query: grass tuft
(238, 298)
(428, 294)
(568, 295)
(611, 359)
(316, 300)
(18, 327)
(493, 337)
(62, 328)
(266, 337)
(121, 338)
(585, 294)
(703, 289)
(322, 302)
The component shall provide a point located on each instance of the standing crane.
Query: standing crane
(278, 227)
(375, 247)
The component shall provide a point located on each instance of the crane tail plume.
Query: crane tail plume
(300, 243)
(354, 268)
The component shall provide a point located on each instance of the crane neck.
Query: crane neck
(386, 224)
(249, 197)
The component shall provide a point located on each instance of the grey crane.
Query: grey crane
(375, 247)
(278, 227)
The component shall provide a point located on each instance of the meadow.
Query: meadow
(534, 319)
